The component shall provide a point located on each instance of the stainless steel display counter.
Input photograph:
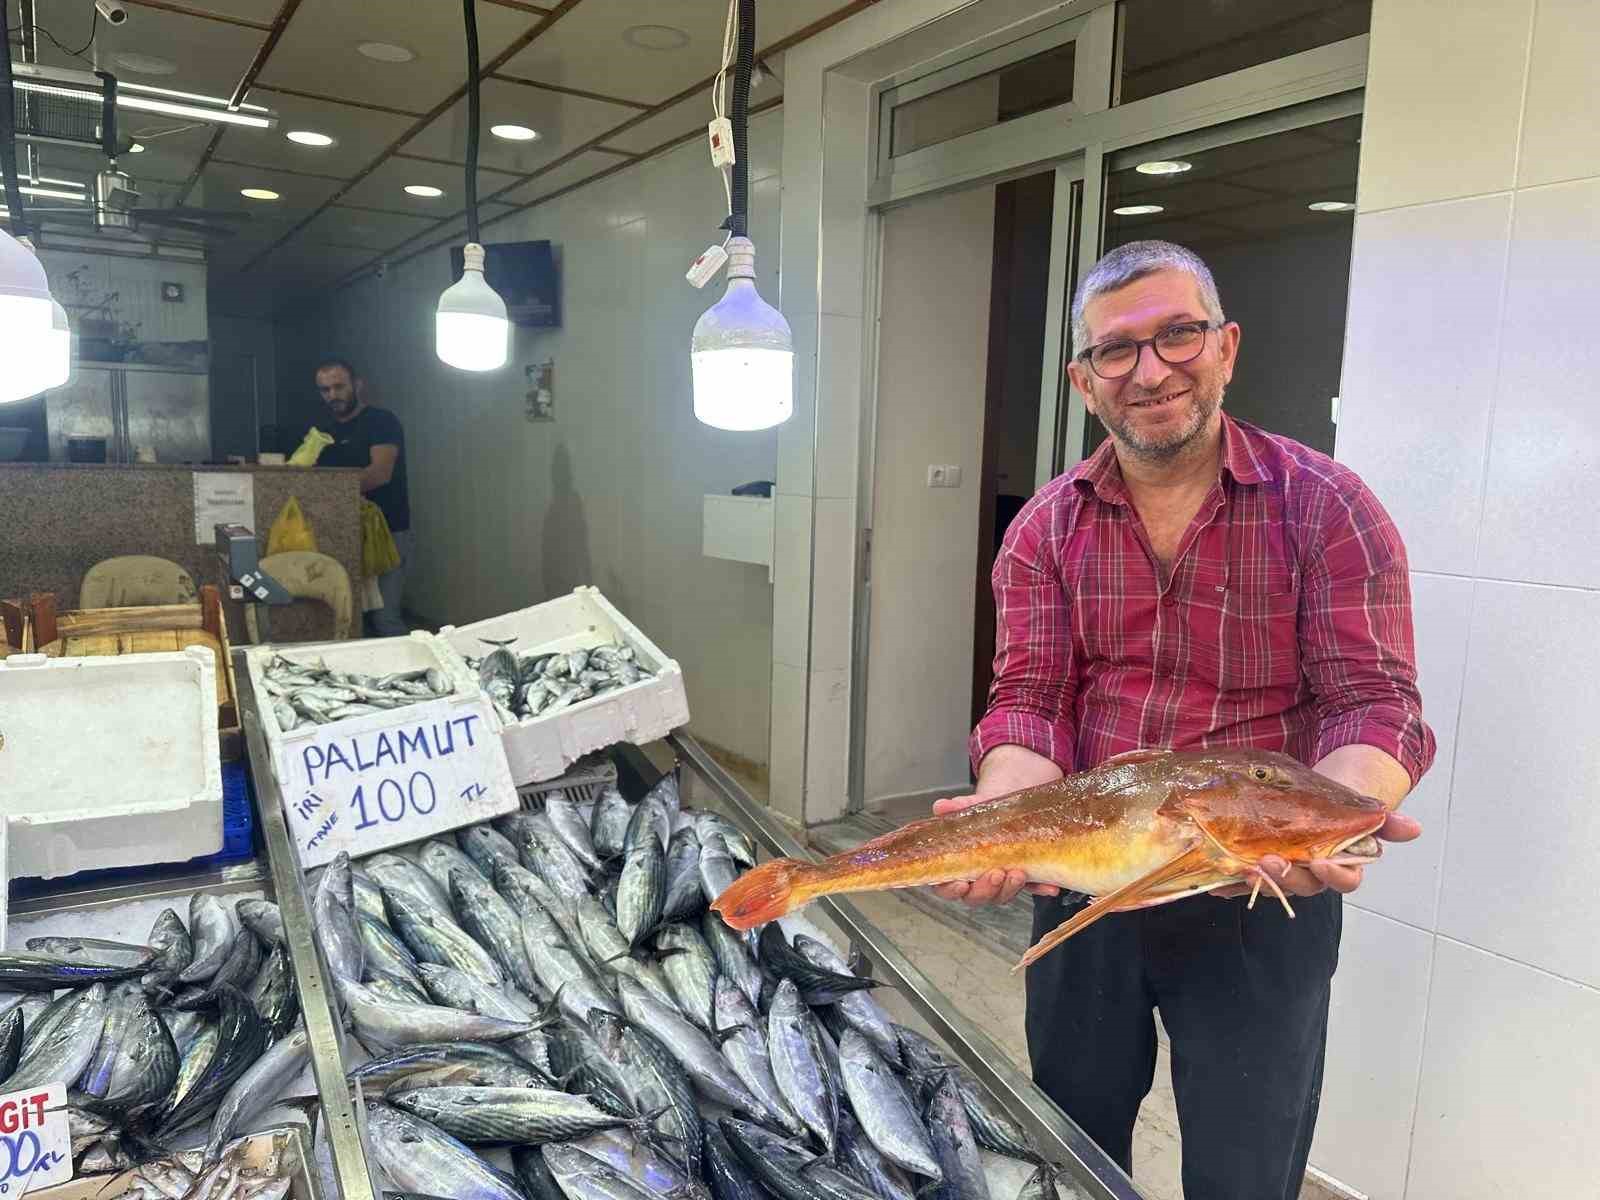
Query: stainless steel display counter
(1086, 1170)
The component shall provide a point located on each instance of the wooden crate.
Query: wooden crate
(96, 632)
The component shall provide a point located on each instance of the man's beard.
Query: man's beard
(1204, 398)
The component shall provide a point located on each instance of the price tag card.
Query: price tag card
(368, 783)
(35, 1143)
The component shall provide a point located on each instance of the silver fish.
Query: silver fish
(258, 1088)
(67, 1048)
(488, 1115)
(194, 1060)
(799, 1066)
(481, 1061)
(717, 868)
(182, 1027)
(333, 912)
(522, 888)
(120, 954)
(386, 954)
(241, 1039)
(883, 1107)
(859, 1010)
(368, 897)
(564, 975)
(381, 1023)
(454, 989)
(433, 936)
(744, 1045)
(260, 917)
(439, 858)
(636, 1158)
(494, 923)
(954, 1146)
(584, 1178)
(483, 844)
(738, 842)
(642, 890)
(653, 1082)
(572, 828)
(237, 970)
(419, 1158)
(545, 854)
(273, 993)
(608, 824)
(691, 969)
(395, 989)
(126, 1015)
(214, 930)
(863, 1160)
(391, 872)
(609, 950)
(652, 815)
(684, 897)
(714, 1078)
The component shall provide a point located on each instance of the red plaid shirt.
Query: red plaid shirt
(1285, 625)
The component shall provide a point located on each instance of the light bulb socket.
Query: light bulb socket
(472, 257)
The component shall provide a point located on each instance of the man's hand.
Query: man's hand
(1308, 881)
(1004, 770)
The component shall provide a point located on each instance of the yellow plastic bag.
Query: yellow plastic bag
(291, 531)
(310, 448)
(379, 554)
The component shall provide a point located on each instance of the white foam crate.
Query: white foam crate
(417, 651)
(109, 761)
(541, 748)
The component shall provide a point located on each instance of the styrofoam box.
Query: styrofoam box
(417, 651)
(542, 747)
(109, 761)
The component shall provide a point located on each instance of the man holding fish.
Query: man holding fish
(1196, 582)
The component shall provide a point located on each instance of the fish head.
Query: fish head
(1254, 803)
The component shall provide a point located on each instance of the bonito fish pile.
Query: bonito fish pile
(197, 1030)
(532, 685)
(550, 992)
(311, 694)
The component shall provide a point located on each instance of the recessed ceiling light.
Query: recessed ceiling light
(258, 193)
(513, 133)
(307, 137)
(426, 191)
(655, 37)
(145, 64)
(1138, 210)
(136, 148)
(1330, 206)
(1164, 166)
(385, 52)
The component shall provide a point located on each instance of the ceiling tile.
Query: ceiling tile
(260, 11)
(317, 53)
(359, 136)
(563, 123)
(590, 162)
(211, 56)
(685, 117)
(587, 48)
(363, 227)
(385, 187)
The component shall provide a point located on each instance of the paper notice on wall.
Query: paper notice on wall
(225, 498)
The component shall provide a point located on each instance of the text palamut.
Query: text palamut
(388, 748)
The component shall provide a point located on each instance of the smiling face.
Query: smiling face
(1158, 409)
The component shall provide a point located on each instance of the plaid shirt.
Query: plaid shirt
(1285, 624)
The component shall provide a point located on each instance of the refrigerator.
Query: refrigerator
(108, 412)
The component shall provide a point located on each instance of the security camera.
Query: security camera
(112, 11)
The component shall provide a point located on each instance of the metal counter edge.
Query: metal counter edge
(1061, 1140)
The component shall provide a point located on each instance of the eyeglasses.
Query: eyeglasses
(1174, 345)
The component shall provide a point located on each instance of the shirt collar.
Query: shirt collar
(1101, 472)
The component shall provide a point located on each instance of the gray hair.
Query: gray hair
(1120, 267)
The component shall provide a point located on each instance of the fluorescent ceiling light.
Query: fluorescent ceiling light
(513, 133)
(71, 183)
(386, 52)
(426, 191)
(258, 193)
(1164, 166)
(1138, 210)
(128, 98)
(1330, 206)
(50, 193)
(170, 94)
(307, 137)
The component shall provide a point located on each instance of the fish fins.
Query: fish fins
(1144, 754)
(760, 895)
(1187, 862)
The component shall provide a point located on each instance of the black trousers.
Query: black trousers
(1244, 999)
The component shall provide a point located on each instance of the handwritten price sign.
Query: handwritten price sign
(35, 1143)
(368, 783)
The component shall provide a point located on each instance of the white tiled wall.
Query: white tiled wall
(1462, 1057)
(510, 512)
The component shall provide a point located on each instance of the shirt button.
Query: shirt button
(1169, 600)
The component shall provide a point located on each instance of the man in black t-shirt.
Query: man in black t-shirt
(371, 439)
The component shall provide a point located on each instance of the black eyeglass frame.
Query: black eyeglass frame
(1138, 344)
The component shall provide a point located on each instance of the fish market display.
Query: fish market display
(312, 694)
(180, 1040)
(1142, 828)
(535, 685)
(591, 1031)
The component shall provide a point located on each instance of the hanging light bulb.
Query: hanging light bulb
(29, 346)
(470, 326)
(470, 329)
(742, 353)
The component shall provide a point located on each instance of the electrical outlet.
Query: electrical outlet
(942, 475)
(952, 476)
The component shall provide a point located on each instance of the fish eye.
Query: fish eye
(1261, 773)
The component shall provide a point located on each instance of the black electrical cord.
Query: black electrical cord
(739, 217)
(94, 25)
(8, 131)
(470, 8)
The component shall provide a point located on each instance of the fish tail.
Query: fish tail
(762, 894)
